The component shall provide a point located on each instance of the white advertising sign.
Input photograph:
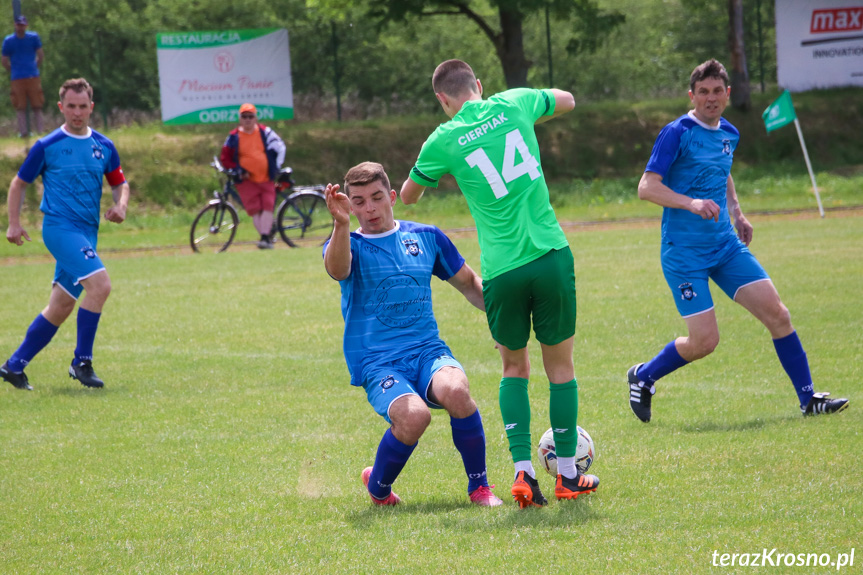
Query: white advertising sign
(204, 77)
(819, 43)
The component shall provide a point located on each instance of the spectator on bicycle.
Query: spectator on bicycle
(256, 152)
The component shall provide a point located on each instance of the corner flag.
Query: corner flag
(781, 113)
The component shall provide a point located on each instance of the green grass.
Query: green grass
(597, 200)
(229, 441)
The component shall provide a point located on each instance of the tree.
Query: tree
(740, 91)
(508, 40)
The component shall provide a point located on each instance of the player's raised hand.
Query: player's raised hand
(338, 204)
(16, 235)
(707, 209)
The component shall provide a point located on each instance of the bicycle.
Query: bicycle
(302, 218)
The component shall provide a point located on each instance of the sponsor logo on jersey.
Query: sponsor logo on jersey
(686, 291)
(398, 301)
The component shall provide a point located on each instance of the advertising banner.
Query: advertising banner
(204, 77)
(819, 43)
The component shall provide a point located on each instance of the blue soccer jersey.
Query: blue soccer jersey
(386, 299)
(72, 168)
(694, 159)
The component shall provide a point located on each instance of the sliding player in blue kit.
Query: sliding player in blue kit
(391, 343)
(689, 174)
(72, 161)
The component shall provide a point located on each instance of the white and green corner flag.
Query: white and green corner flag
(781, 113)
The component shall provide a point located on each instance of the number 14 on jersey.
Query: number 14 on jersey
(510, 170)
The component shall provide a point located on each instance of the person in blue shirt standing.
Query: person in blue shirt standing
(689, 175)
(72, 161)
(22, 56)
(391, 344)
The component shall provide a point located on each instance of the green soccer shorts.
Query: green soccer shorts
(543, 290)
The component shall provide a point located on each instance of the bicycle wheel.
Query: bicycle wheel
(304, 219)
(214, 228)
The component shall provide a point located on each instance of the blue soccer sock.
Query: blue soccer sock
(793, 360)
(468, 436)
(389, 462)
(38, 335)
(665, 362)
(88, 322)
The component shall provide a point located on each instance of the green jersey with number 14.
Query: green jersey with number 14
(490, 149)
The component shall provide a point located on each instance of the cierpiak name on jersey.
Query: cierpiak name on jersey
(482, 129)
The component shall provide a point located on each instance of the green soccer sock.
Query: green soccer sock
(515, 411)
(563, 413)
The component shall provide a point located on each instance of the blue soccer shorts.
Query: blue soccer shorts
(687, 268)
(74, 249)
(410, 375)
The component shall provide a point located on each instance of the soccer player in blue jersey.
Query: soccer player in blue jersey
(391, 342)
(689, 175)
(72, 161)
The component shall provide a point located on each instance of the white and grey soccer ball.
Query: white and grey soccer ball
(585, 451)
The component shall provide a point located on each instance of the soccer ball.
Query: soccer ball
(585, 451)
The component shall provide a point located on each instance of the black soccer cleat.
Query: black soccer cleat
(18, 380)
(820, 403)
(526, 491)
(571, 488)
(85, 374)
(640, 395)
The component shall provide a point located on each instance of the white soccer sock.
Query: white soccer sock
(566, 467)
(525, 466)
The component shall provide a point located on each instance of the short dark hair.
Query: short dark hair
(710, 69)
(76, 85)
(366, 173)
(453, 78)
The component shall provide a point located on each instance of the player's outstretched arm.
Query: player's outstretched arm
(15, 234)
(470, 285)
(411, 192)
(741, 224)
(337, 258)
(117, 212)
(651, 189)
(564, 103)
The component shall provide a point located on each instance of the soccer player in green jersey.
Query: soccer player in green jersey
(490, 148)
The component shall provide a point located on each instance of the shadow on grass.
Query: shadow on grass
(464, 516)
(757, 423)
(78, 390)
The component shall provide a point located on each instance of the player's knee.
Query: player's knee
(702, 346)
(100, 288)
(457, 400)
(410, 417)
(59, 309)
(780, 319)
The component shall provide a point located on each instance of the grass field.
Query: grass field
(229, 441)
